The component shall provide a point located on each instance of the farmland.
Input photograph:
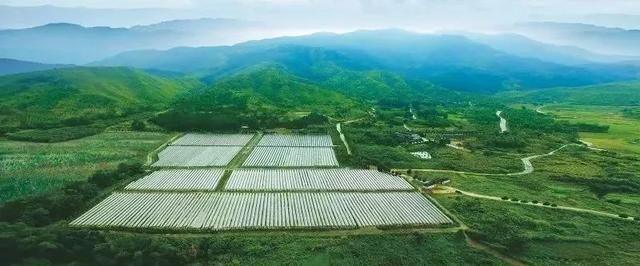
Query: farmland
(195, 139)
(179, 179)
(28, 168)
(296, 141)
(224, 211)
(314, 179)
(197, 155)
(292, 157)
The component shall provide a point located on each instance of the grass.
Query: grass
(27, 168)
(623, 135)
(543, 186)
(545, 236)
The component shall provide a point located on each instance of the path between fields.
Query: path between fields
(343, 138)
(526, 162)
(503, 122)
(481, 196)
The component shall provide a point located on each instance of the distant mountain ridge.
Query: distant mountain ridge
(12, 66)
(605, 40)
(447, 60)
(74, 44)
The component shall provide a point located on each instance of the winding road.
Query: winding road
(526, 162)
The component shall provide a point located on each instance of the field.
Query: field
(195, 139)
(225, 211)
(197, 155)
(291, 157)
(296, 141)
(314, 179)
(27, 168)
(547, 236)
(179, 179)
(623, 132)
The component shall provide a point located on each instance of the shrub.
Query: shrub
(505, 198)
(514, 199)
(624, 216)
(546, 203)
(554, 205)
(524, 201)
(535, 202)
(138, 125)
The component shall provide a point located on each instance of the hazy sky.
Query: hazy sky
(422, 15)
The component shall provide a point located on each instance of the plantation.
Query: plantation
(195, 139)
(314, 179)
(179, 179)
(296, 140)
(197, 155)
(225, 211)
(291, 157)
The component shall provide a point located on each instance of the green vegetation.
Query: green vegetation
(545, 236)
(80, 97)
(622, 134)
(613, 94)
(28, 168)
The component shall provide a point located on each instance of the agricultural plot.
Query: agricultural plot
(314, 180)
(195, 139)
(197, 155)
(291, 157)
(296, 141)
(228, 211)
(179, 179)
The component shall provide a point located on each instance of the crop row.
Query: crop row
(314, 179)
(195, 139)
(292, 156)
(179, 179)
(197, 155)
(296, 141)
(224, 211)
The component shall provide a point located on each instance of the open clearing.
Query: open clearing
(179, 179)
(314, 179)
(226, 210)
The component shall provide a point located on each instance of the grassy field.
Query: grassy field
(545, 185)
(27, 168)
(624, 132)
(545, 236)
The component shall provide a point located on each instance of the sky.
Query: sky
(419, 15)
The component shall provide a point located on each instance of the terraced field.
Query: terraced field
(179, 179)
(314, 179)
(226, 210)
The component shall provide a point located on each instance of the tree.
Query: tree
(138, 125)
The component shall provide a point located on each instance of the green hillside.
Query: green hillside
(611, 94)
(81, 96)
(264, 96)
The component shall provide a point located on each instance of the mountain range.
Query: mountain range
(450, 61)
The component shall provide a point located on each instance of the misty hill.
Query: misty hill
(74, 44)
(81, 95)
(613, 41)
(11, 66)
(522, 46)
(447, 60)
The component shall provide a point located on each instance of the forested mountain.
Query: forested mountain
(81, 95)
(450, 61)
(11, 66)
